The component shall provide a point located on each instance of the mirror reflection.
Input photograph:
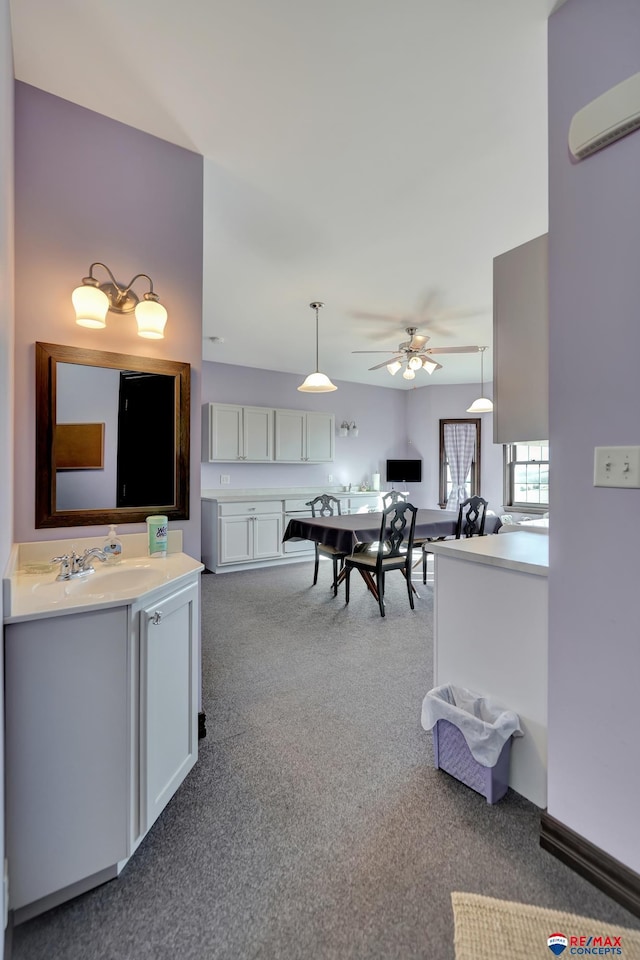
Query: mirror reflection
(112, 437)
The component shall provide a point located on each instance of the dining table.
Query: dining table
(348, 532)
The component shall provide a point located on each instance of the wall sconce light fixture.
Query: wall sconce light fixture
(348, 429)
(93, 299)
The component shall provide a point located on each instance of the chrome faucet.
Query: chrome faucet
(87, 558)
(71, 565)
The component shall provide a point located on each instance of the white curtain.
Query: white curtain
(459, 446)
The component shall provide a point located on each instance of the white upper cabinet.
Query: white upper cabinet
(521, 344)
(235, 432)
(303, 436)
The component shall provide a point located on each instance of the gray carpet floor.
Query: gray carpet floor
(314, 824)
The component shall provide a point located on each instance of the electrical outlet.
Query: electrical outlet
(329, 478)
(225, 478)
(616, 467)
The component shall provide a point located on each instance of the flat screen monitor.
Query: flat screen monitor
(404, 471)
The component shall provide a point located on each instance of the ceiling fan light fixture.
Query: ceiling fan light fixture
(317, 382)
(429, 365)
(394, 367)
(482, 404)
(414, 363)
(409, 374)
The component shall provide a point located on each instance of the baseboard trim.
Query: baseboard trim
(202, 725)
(602, 870)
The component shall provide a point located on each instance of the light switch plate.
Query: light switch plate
(616, 467)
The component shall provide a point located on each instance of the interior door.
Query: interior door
(146, 440)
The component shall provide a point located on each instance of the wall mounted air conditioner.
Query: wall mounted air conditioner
(605, 119)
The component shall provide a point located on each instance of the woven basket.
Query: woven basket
(454, 757)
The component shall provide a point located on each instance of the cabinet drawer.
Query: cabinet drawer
(251, 507)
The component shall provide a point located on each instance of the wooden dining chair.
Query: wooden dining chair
(392, 496)
(471, 517)
(393, 552)
(325, 505)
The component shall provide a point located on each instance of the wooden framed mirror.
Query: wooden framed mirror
(112, 437)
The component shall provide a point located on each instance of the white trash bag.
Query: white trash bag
(485, 724)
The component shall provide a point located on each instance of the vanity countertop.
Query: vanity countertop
(518, 551)
(32, 592)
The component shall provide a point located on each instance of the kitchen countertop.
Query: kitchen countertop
(517, 551)
(282, 493)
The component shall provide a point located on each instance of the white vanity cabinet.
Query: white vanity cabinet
(168, 698)
(249, 530)
(304, 436)
(101, 729)
(234, 432)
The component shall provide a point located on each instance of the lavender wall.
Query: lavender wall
(594, 390)
(380, 414)
(89, 188)
(6, 352)
(392, 423)
(426, 406)
(99, 389)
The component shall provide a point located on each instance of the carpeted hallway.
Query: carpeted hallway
(313, 825)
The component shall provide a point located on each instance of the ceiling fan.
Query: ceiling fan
(415, 355)
(428, 313)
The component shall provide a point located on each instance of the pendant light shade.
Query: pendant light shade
(317, 382)
(482, 404)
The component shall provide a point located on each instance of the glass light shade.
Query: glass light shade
(415, 363)
(394, 367)
(354, 431)
(430, 366)
(317, 383)
(344, 430)
(481, 405)
(151, 317)
(91, 305)
(409, 374)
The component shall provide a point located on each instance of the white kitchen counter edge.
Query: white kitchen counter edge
(517, 551)
(281, 493)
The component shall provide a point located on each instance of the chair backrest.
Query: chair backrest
(396, 531)
(392, 496)
(471, 517)
(323, 506)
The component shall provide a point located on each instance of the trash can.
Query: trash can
(471, 738)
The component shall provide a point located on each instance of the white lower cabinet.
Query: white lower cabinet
(168, 698)
(250, 531)
(101, 729)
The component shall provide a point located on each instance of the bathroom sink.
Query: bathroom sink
(33, 592)
(125, 581)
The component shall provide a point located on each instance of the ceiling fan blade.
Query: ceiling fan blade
(453, 349)
(385, 362)
(417, 342)
(364, 315)
(370, 351)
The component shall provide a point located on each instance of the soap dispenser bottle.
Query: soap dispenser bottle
(112, 546)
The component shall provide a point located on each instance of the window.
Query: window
(472, 478)
(526, 476)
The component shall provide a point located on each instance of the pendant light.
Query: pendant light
(317, 382)
(482, 404)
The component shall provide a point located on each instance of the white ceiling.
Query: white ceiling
(365, 153)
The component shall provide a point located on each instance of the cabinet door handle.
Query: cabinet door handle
(157, 617)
